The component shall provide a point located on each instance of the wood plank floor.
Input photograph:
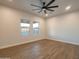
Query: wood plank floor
(43, 49)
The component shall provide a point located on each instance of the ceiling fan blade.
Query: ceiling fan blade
(50, 9)
(36, 5)
(45, 11)
(50, 2)
(53, 6)
(44, 3)
(35, 9)
(40, 11)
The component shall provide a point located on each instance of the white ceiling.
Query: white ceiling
(25, 5)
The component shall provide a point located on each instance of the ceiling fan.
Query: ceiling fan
(45, 7)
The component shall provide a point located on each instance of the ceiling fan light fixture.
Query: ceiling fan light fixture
(44, 9)
(68, 7)
(46, 15)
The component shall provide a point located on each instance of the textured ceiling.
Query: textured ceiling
(25, 5)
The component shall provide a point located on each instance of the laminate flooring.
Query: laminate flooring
(42, 49)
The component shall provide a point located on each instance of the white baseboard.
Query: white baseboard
(7, 46)
(64, 41)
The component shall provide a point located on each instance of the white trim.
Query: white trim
(64, 41)
(7, 46)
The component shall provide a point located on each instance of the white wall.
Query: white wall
(64, 28)
(10, 27)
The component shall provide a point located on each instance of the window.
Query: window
(35, 27)
(25, 27)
